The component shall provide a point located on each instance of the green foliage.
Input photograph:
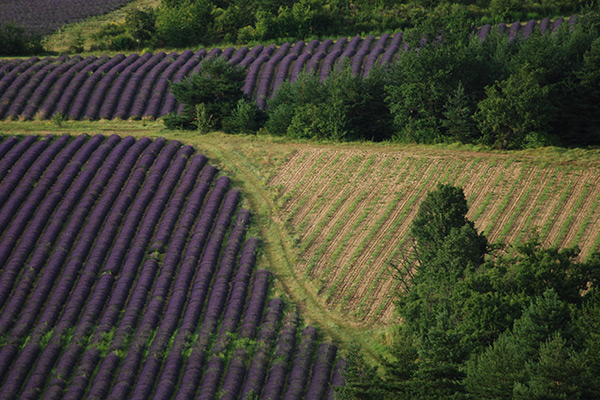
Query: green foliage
(14, 41)
(244, 118)
(541, 340)
(58, 119)
(558, 373)
(536, 269)
(438, 85)
(186, 24)
(213, 99)
(288, 98)
(342, 107)
(230, 20)
(448, 249)
(504, 9)
(522, 327)
(441, 226)
(513, 109)
(496, 370)
(524, 93)
(458, 121)
(362, 381)
(141, 24)
(588, 327)
(203, 118)
(174, 121)
(122, 42)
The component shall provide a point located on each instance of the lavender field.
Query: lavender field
(126, 271)
(137, 86)
(43, 17)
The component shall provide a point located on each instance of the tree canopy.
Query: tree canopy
(477, 323)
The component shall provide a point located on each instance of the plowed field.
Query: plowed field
(349, 211)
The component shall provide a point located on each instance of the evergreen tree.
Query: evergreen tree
(362, 381)
(212, 99)
(558, 373)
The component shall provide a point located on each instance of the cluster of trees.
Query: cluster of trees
(184, 23)
(214, 100)
(532, 92)
(15, 41)
(478, 325)
(506, 94)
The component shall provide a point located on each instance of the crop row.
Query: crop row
(137, 86)
(347, 254)
(126, 272)
(40, 17)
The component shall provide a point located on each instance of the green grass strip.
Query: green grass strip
(285, 198)
(339, 224)
(327, 195)
(567, 224)
(371, 234)
(524, 200)
(586, 223)
(504, 204)
(561, 202)
(489, 196)
(533, 214)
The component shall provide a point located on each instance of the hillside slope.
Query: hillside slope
(42, 17)
(126, 268)
(350, 211)
(353, 203)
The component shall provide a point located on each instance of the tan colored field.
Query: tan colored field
(350, 212)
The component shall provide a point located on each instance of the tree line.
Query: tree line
(449, 86)
(190, 23)
(184, 23)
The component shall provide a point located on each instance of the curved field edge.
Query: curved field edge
(221, 207)
(254, 161)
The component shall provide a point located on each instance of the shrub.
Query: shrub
(342, 107)
(122, 42)
(14, 41)
(213, 99)
(244, 118)
(141, 25)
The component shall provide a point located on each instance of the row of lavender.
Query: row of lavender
(42, 17)
(125, 273)
(137, 86)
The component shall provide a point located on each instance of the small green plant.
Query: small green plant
(203, 120)
(77, 41)
(58, 119)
